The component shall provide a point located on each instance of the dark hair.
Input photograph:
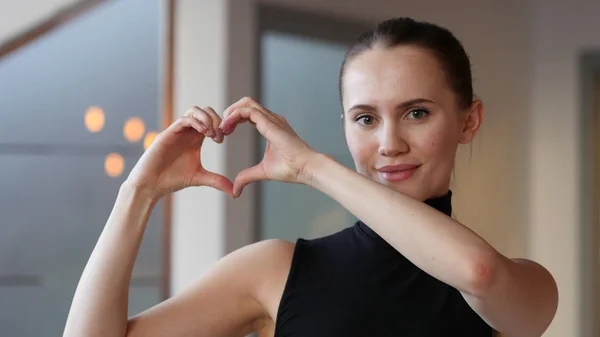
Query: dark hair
(405, 31)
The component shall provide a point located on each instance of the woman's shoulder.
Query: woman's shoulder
(265, 266)
(271, 249)
(257, 266)
(263, 256)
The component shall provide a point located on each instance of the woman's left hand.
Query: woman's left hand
(286, 155)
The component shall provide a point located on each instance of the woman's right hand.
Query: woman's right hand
(172, 162)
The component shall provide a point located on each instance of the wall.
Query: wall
(240, 147)
(561, 31)
(200, 77)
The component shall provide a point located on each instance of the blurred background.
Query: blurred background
(85, 85)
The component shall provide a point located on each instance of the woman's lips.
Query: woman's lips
(394, 173)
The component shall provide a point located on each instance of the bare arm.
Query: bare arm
(232, 299)
(516, 297)
(229, 300)
(433, 241)
(99, 306)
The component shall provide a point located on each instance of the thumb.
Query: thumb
(247, 176)
(207, 178)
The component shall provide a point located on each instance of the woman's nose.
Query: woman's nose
(391, 142)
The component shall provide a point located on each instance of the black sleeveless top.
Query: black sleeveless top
(354, 284)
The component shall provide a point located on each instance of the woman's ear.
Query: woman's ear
(471, 122)
(343, 125)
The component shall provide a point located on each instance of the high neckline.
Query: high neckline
(442, 203)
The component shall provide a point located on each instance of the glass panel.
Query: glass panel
(107, 58)
(299, 80)
(55, 190)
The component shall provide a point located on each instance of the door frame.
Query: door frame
(168, 8)
(589, 231)
(286, 20)
(249, 20)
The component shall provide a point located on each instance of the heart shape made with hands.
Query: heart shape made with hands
(285, 155)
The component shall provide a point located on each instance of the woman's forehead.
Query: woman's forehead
(400, 73)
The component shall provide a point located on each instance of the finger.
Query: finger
(234, 117)
(216, 121)
(229, 128)
(207, 178)
(184, 128)
(268, 113)
(247, 176)
(240, 115)
(186, 122)
(204, 117)
(231, 124)
(245, 102)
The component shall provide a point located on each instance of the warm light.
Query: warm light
(149, 139)
(94, 119)
(114, 164)
(133, 130)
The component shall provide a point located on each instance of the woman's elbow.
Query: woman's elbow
(482, 273)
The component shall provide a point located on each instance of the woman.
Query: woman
(405, 269)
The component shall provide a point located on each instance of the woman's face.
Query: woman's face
(402, 121)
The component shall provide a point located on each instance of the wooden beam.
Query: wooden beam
(59, 18)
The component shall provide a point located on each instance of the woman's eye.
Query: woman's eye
(365, 120)
(418, 114)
